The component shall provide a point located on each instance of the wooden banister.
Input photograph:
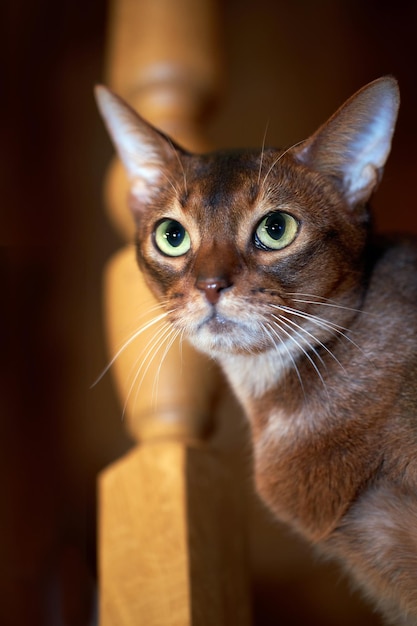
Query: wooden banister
(165, 59)
(171, 546)
(173, 394)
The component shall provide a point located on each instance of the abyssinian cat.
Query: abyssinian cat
(266, 259)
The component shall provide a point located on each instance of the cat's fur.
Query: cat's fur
(318, 339)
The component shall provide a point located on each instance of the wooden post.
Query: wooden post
(165, 59)
(171, 546)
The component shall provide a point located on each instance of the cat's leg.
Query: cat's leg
(377, 541)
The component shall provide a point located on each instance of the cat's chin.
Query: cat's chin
(218, 324)
(219, 336)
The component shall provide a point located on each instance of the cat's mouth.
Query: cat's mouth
(217, 323)
(221, 334)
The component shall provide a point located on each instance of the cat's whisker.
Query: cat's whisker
(338, 330)
(261, 160)
(147, 357)
(144, 353)
(316, 340)
(180, 164)
(335, 329)
(180, 345)
(325, 324)
(128, 342)
(279, 159)
(321, 301)
(303, 350)
(296, 328)
(288, 351)
(171, 183)
(169, 342)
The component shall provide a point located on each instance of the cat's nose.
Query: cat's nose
(212, 287)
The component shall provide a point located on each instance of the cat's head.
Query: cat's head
(230, 240)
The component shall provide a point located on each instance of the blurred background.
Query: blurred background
(289, 64)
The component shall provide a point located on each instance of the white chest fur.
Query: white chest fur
(252, 375)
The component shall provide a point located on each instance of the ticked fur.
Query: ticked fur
(313, 321)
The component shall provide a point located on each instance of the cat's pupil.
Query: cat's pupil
(174, 233)
(276, 231)
(275, 226)
(171, 238)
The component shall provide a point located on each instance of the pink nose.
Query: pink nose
(212, 288)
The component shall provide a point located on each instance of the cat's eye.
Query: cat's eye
(276, 231)
(171, 238)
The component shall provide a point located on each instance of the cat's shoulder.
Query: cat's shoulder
(393, 267)
(397, 252)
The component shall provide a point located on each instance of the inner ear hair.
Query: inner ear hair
(353, 145)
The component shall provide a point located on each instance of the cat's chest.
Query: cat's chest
(253, 376)
(282, 398)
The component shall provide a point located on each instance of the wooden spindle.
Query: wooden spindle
(164, 58)
(171, 549)
(164, 393)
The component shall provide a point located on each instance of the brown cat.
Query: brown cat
(267, 261)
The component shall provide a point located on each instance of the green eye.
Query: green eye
(275, 231)
(171, 238)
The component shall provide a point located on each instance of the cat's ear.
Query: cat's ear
(353, 145)
(144, 151)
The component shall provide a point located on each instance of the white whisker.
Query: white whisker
(327, 302)
(304, 351)
(278, 159)
(177, 156)
(316, 340)
(335, 329)
(325, 324)
(262, 154)
(284, 345)
(169, 342)
(152, 347)
(127, 343)
(169, 181)
(294, 327)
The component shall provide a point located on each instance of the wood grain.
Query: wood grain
(171, 546)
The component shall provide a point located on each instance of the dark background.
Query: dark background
(289, 63)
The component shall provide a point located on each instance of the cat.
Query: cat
(267, 261)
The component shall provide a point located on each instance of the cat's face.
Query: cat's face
(243, 248)
(233, 237)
